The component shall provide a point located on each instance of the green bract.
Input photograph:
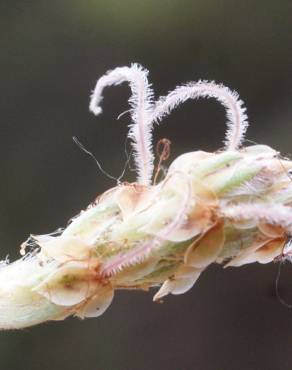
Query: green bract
(230, 207)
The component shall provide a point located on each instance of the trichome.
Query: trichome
(231, 207)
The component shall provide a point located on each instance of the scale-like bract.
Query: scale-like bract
(230, 207)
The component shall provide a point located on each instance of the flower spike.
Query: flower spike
(230, 207)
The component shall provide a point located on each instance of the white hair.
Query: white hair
(141, 107)
(145, 113)
(237, 119)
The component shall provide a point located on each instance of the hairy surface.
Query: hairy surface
(231, 207)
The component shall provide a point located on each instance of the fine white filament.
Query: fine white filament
(237, 119)
(275, 214)
(145, 113)
(141, 107)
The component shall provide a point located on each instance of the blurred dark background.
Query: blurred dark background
(52, 52)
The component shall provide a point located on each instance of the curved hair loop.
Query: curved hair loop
(237, 119)
(141, 107)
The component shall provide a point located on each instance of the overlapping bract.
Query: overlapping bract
(230, 207)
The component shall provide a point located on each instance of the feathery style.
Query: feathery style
(141, 107)
(230, 207)
(237, 119)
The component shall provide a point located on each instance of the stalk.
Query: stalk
(139, 237)
(230, 207)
